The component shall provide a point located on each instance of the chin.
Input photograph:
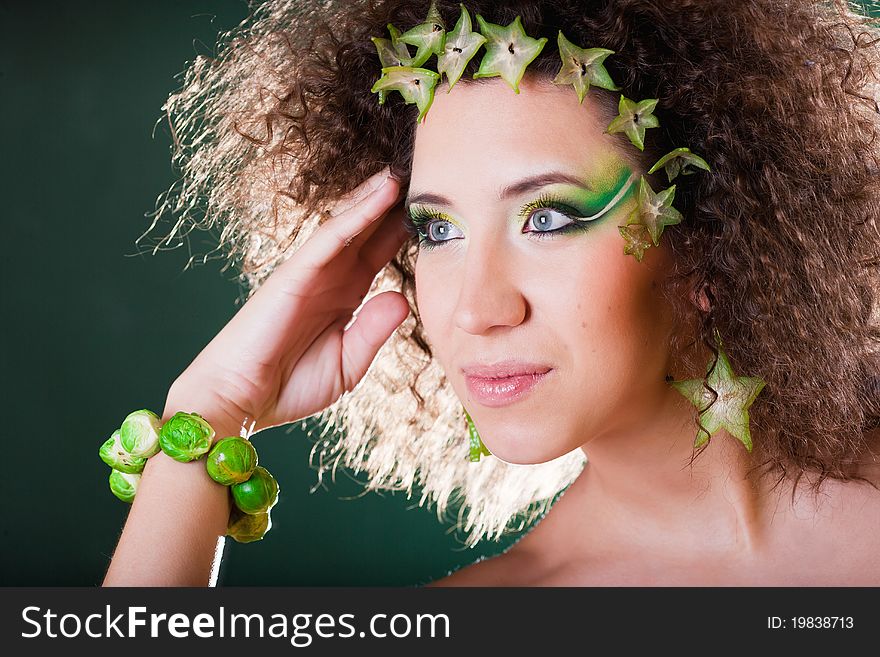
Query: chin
(527, 450)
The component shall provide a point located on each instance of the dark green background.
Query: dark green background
(89, 328)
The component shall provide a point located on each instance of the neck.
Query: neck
(639, 489)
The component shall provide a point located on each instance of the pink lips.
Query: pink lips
(503, 383)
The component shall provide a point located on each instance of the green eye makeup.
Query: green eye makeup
(563, 210)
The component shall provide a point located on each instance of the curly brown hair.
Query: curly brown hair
(781, 237)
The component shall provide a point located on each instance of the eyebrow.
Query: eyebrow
(523, 186)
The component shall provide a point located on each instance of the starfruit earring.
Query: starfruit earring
(477, 448)
(731, 410)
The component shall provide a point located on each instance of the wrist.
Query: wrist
(212, 447)
(225, 418)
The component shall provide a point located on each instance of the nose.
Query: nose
(489, 292)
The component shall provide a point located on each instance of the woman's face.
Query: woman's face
(512, 278)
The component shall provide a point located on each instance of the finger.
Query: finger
(364, 235)
(359, 193)
(332, 237)
(376, 321)
(386, 241)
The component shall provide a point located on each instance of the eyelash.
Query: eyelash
(419, 218)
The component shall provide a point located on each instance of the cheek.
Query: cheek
(432, 297)
(620, 312)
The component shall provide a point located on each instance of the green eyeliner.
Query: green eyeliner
(586, 205)
(580, 209)
(610, 195)
(611, 198)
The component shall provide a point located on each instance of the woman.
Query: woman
(681, 395)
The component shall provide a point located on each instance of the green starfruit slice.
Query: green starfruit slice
(429, 37)
(186, 437)
(231, 460)
(416, 85)
(248, 527)
(633, 119)
(582, 67)
(508, 51)
(124, 485)
(461, 46)
(392, 52)
(139, 433)
(114, 454)
(677, 162)
(258, 494)
(655, 210)
(731, 410)
(637, 240)
(477, 448)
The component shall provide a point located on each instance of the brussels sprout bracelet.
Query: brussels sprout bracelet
(231, 461)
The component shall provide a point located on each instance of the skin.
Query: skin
(289, 352)
(574, 302)
(638, 513)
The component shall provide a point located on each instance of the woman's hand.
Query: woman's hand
(287, 354)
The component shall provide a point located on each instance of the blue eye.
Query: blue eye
(548, 219)
(431, 227)
(438, 230)
(547, 215)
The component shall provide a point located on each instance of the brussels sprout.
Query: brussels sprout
(248, 527)
(231, 461)
(258, 494)
(114, 455)
(186, 437)
(139, 433)
(124, 485)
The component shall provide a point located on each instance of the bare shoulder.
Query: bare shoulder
(839, 527)
(486, 572)
(505, 569)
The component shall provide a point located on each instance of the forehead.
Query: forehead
(483, 134)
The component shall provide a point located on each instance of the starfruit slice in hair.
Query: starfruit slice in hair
(677, 162)
(429, 36)
(582, 67)
(476, 446)
(416, 85)
(392, 52)
(655, 210)
(509, 50)
(731, 410)
(633, 119)
(637, 240)
(461, 46)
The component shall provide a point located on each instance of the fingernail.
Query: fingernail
(383, 184)
(375, 181)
